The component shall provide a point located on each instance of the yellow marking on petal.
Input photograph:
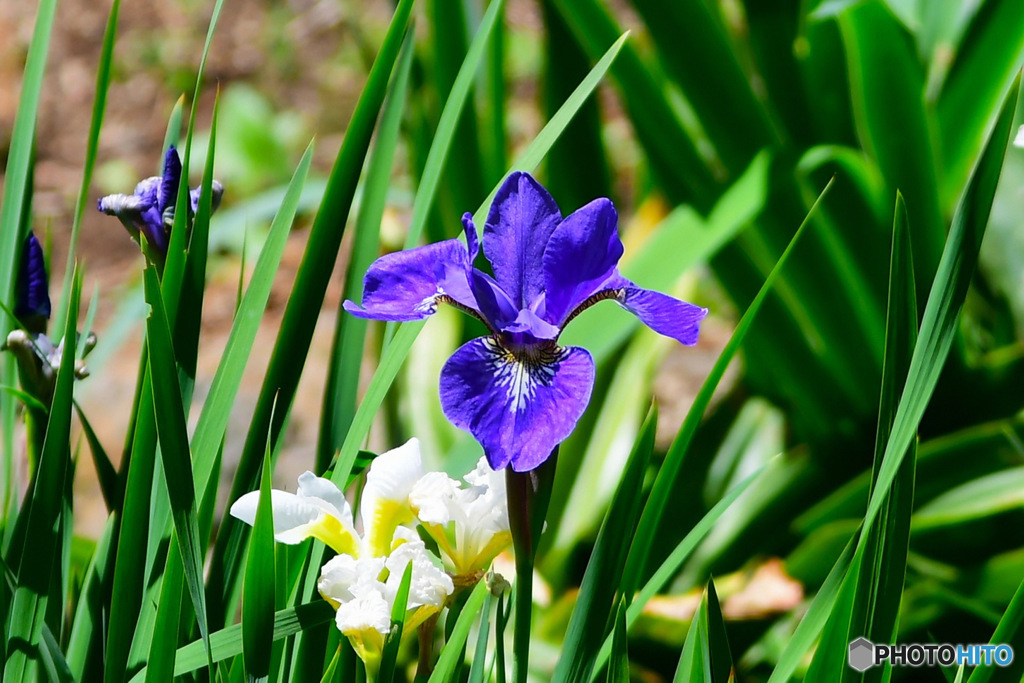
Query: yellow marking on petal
(380, 527)
(368, 644)
(333, 533)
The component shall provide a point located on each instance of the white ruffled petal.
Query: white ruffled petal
(432, 496)
(469, 524)
(342, 577)
(430, 586)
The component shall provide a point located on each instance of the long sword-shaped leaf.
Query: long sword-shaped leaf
(259, 585)
(949, 289)
(99, 107)
(342, 384)
(595, 604)
(671, 566)
(439, 149)
(35, 569)
(13, 212)
(869, 600)
(878, 597)
(227, 642)
(213, 419)
(176, 457)
(301, 313)
(672, 468)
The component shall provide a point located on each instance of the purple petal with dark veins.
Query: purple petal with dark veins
(518, 410)
(406, 285)
(662, 313)
(582, 254)
(520, 221)
(33, 287)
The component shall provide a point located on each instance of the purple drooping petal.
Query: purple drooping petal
(407, 285)
(520, 221)
(32, 300)
(169, 181)
(582, 254)
(140, 212)
(662, 313)
(519, 409)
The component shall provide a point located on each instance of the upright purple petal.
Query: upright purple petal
(472, 240)
(32, 301)
(520, 221)
(408, 285)
(518, 409)
(582, 254)
(169, 180)
(492, 301)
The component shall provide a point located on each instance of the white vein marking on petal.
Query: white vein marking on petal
(520, 376)
(429, 305)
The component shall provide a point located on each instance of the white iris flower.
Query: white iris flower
(319, 509)
(364, 592)
(469, 524)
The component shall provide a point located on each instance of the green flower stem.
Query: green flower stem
(528, 496)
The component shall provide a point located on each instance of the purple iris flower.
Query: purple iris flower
(150, 209)
(32, 289)
(517, 391)
(38, 357)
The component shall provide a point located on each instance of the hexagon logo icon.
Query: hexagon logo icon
(862, 654)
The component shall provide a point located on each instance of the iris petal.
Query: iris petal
(520, 221)
(582, 254)
(407, 285)
(494, 304)
(662, 313)
(32, 302)
(518, 409)
(170, 180)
